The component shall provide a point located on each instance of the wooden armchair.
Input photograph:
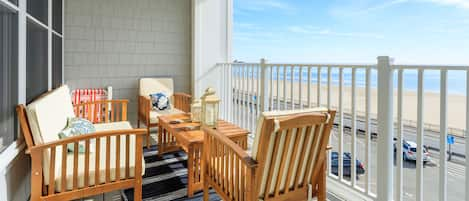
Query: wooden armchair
(112, 158)
(288, 160)
(180, 102)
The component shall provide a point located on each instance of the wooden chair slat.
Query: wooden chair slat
(108, 159)
(64, 167)
(75, 165)
(283, 162)
(97, 161)
(127, 157)
(303, 150)
(52, 171)
(118, 158)
(87, 163)
(293, 157)
(272, 162)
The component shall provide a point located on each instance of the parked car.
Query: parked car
(409, 151)
(360, 169)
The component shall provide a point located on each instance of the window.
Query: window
(38, 9)
(57, 15)
(56, 61)
(36, 61)
(8, 76)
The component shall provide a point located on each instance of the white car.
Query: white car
(409, 151)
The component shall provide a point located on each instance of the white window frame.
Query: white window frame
(15, 148)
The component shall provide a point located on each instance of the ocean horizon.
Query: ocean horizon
(456, 79)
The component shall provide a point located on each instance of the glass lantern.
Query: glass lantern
(210, 106)
(196, 110)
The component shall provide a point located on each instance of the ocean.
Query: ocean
(456, 79)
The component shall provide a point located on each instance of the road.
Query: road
(456, 171)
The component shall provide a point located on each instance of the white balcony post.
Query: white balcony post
(264, 88)
(385, 129)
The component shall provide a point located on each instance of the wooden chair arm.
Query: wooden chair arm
(229, 144)
(50, 149)
(182, 101)
(102, 110)
(144, 108)
(75, 139)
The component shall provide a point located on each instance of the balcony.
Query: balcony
(381, 106)
(374, 120)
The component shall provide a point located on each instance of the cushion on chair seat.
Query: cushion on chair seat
(149, 86)
(155, 114)
(102, 163)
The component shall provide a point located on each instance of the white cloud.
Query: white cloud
(458, 3)
(261, 5)
(309, 30)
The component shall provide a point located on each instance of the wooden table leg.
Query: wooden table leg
(159, 143)
(190, 172)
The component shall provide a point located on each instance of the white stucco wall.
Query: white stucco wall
(211, 41)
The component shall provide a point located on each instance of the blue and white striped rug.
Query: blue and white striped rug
(165, 178)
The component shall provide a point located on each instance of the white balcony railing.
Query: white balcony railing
(250, 88)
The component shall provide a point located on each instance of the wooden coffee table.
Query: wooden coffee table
(173, 137)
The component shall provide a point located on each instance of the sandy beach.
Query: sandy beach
(456, 103)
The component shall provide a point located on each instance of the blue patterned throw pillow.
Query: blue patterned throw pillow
(77, 126)
(160, 101)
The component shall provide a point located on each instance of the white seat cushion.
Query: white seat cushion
(155, 114)
(102, 164)
(48, 115)
(149, 86)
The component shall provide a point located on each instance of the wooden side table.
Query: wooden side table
(173, 137)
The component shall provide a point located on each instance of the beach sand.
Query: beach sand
(456, 103)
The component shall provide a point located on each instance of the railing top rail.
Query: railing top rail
(333, 65)
(430, 67)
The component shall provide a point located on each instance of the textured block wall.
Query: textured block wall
(116, 42)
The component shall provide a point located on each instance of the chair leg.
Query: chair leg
(322, 184)
(148, 136)
(138, 192)
(206, 188)
(138, 123)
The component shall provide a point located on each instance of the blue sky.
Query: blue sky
(353, 31)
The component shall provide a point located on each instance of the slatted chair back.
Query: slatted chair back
(290, 148)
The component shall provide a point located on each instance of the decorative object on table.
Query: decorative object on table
(210, 106)
(160, 101)
(196, 110)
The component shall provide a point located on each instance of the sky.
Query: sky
(352, 31)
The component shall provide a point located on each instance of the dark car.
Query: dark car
(346, 164)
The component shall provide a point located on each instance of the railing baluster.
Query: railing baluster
(251, 101)
(271, 88)
(284, 87)
(420, 133)
(443, 134)
(309, 87)
(368, 130)
(300, 86)
(329, 82)
(354, 128)
(292, 82)
(319, 87)
(278, 87)
(466, 134)
(341, 122)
